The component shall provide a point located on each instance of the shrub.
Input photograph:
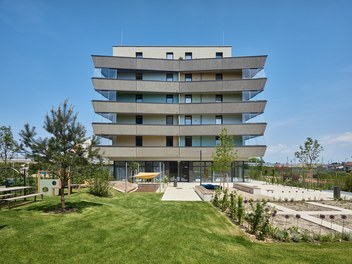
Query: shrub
(258, 219)
(99, 185)
(225, 201)
(233, 205)
(240, 210)
(215, 200)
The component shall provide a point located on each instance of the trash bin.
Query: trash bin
(175, 182)
(337, 192)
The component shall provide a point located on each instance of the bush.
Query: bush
(99, 185)
(215, 200)
(233, 205)
(240, 210)
(258, 219)
(225, 201)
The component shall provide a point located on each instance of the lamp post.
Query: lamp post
(201, 166)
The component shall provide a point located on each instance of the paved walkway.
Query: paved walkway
(307, 215)
(183, 192)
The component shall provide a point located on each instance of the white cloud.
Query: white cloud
(344, 139)
(280, 149)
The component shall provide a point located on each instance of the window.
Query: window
(139, 76)
(188, 55)
(188, 77)
(169, 141)
(188, 98)
(218, 76)
(218, 98)
(218, 55)
(169, 55)
(188, 141)
(139, 141)
(139, 55)
(218, 120)
(169, 120)
(217, 141)
(139, 98)
(109, 73)
(169, 98)
(169, 77)
(188, 120)
(139, 119)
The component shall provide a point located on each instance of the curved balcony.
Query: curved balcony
(183, 109)
(174, 130)
(179, 87)
(173, 153)
(179, 65)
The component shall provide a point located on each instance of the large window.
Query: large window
(188, 98)
(218, 98)
(188, 77)
(218, 76)
(169, 77)
(218, 55)
(109, 73)
(139, 55)
(139, 141)
(139, 76)
(218, 120)
(188, 141)
(169, 120)
(139, 98)
(139, 119)
(188, 120)
(188, 55)
(217, 141)
(169, 141)
(169, 55)
(169, 98)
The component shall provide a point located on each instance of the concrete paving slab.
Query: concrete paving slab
(183, 192)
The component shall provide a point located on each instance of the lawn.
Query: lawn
(140, 228)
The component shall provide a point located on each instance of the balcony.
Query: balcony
(135, 108)
(179, 65)
(173, 153)
(179, 87)
(169, 130)
(135, 86)
(222, 86)
(182, 109)
(223, 108)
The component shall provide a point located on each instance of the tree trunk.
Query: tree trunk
(62, 191)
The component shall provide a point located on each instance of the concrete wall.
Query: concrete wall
(178, 51)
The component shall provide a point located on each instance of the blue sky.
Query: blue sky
(46, 48)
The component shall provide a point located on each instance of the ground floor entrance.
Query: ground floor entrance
(182, 171)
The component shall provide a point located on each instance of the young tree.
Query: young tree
(224, 155)
(66, 147)
(309, 153)
(8, 146)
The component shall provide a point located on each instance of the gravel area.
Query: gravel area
(303, 206)
(342, 204)
(280, 222)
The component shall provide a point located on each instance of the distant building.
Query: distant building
(164, 106)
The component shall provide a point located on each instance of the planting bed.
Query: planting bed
(303, 206)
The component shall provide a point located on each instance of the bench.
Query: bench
(204, 194)
(247, 188)
(12, 199)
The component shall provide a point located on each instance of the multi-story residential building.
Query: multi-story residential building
(168, 104)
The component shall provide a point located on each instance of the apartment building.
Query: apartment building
(165, 106)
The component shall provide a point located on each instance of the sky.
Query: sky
(46, 48)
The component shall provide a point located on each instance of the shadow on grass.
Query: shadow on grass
(2, 226)
(77, 207)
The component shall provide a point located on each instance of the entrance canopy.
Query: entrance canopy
(146, 175)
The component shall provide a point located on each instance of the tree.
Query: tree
(309, 153)
(65, 149)
(8, 146)
(224, 155)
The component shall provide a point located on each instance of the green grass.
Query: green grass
(140, 228)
